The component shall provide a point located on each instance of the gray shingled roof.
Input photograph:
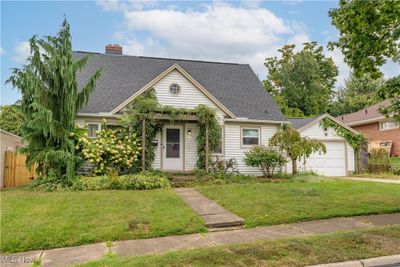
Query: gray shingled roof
(297, 123)
(235, 85)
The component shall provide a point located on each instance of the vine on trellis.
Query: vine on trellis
(145, 112)
(356, 141)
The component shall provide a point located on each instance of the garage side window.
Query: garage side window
(250, 136)
(92, 128)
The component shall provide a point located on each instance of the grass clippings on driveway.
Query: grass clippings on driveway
(301, 251)
(43, 220)
(278, 203)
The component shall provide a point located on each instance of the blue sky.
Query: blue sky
(240, 31)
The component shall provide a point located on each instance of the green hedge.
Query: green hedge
(125, 182)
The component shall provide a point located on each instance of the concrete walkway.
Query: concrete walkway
(366, 179)
(386, 261)
(214, 215)
(82, 254)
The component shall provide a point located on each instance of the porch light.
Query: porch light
(189, 132)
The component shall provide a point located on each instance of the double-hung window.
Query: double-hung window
(92, 129)
(250, 136)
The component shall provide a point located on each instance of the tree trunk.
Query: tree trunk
(294, 166)
(143, 145)
(207, 148)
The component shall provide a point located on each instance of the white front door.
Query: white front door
(173, 148)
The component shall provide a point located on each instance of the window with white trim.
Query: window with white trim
(387, 125)
(250, 136)
(220, 148)
(92, 128)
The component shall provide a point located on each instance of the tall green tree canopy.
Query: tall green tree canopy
(369, 33)
(11, 119)
(50, 102)
(301, 81)
(357, 93)
(391, 90)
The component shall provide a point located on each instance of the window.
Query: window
(92, 128)
(250, 136)
(174, 89)
(220, 148)
(387, 125)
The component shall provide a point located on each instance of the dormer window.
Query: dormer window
(174, 89)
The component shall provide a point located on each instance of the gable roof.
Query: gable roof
(365, 115)
(301, 124)
(298, 123)
(235, 86)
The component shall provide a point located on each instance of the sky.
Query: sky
(226, 31)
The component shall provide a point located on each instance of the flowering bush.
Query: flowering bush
(113, 150)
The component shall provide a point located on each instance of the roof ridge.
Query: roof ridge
(163, 58)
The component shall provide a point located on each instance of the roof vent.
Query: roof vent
(114, 49)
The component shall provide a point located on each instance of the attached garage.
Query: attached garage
(339, 157)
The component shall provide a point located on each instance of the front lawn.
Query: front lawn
(39, 220)
(277, 203)
(302, 251)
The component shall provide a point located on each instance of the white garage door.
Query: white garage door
(333, 163)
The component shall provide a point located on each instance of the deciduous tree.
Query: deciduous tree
(369, 33)
(304, 80)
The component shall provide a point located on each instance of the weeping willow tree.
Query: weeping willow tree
(50, 102)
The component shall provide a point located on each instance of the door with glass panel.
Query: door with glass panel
(172, 148)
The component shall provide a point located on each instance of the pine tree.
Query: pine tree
(50, 102)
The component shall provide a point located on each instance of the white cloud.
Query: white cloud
(2, 51)
(21, 52)
(217, 32)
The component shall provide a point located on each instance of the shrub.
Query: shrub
(140, 181)
(114, 150)
(266, 159)
(378, 161)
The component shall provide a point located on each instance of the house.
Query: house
(8, 142)
(339, 157)
(380, 131)
(246, 112)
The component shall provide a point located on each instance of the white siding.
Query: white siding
(191, 145)
(317, 132)
(189, 97)
(350, 159)
(157, 153)
(233, 147)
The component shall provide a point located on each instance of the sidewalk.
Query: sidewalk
(82, 254)
(213, 214)
(386, 261)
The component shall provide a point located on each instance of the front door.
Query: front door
(173, 148)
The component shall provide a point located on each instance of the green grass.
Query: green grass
(376, 175)
(303, 251)
(277, 203)
(40, 220)
(394, 160)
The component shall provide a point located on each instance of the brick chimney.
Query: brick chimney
(114, 49)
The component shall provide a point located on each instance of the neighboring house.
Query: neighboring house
(375, 127)
(245, 110)
(8, 141)
(339, 157)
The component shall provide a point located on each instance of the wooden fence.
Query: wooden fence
(15, 171)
